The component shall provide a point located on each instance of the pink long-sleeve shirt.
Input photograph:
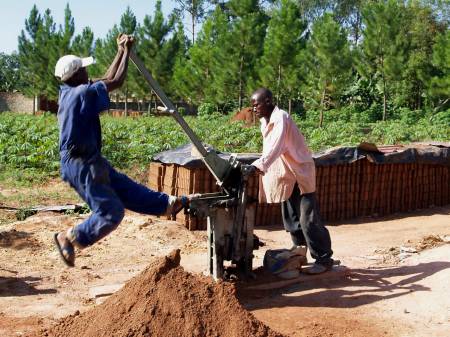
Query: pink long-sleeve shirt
(285, 160)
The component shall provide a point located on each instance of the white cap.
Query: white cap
(70, 64)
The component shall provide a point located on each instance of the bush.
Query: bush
(409, 116)
(29, 144)
(442, 117)
(206, 110)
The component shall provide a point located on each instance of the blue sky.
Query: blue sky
(100, 15)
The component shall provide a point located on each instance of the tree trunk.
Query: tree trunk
(384, 89)
(241, 66)
(278, 84)
(290, 106)
(193, 29)
(322, 104)
(126, 100)
(384, 100)
(419, 97)
(358, 23)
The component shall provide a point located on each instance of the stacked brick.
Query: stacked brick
(344, 191)
(178, 180)
(367, 189)
(121, 113)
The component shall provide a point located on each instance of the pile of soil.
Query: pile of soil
(430, 241)
(246, 115)
(164, 300)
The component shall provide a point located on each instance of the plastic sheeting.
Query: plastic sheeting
(423, 153)
(189, 157)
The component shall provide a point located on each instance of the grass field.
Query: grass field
(29, 144)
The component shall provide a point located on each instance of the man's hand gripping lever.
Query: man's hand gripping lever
(177, 204)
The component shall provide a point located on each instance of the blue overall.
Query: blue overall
(107, 192)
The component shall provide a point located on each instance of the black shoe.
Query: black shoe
(317, 268)
(321, 267)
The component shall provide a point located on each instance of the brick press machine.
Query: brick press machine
(230, 214)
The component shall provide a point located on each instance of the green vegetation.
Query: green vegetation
(29, 144)
(348, 71)
(383, 56)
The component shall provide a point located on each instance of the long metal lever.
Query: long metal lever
(219, 167)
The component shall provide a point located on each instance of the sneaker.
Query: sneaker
(317, 268)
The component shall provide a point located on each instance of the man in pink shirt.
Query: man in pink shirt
(288, 176)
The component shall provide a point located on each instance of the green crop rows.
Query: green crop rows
(30, 143)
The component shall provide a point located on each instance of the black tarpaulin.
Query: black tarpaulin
(422, 153)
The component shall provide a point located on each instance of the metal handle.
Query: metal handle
(219, 167)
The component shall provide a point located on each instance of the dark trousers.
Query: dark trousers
(301, 219)
(108, 193)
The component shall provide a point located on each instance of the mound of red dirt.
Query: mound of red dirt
(247, 116)
(164, 300)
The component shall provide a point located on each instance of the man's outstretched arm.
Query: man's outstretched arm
(111, 72)
(119, 74)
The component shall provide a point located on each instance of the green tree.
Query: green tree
(40, 46)
(9, 72)
(55, 43)
(422, 29)
(105, 50)
(153, 36)
(83, 44)
(38, 52)
(194, 75)
(49, 41)
(66, 31)
(439, 84)
(240, 47)
(441, 9)
(384, 47)
(349, 14)
(29, 58)
(195, 9)
(128, 25)
(176, 50)
(328, 60)
(279, 65)
(311, 10)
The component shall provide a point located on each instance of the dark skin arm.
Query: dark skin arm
(112, 68)
(110, 73)
(116, 74)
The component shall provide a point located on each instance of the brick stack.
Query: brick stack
(344, 191)
(121, 113)
(177, 180)
(366, 189)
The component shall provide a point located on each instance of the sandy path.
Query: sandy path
(381, 297)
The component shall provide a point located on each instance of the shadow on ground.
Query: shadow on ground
(360, 287)
(22, 286)
(17, 240)
(434, 210)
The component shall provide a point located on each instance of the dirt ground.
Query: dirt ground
(389, 291)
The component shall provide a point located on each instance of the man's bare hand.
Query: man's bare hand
(250, 170)
(259, 172)
(129, 41)
(121, 40)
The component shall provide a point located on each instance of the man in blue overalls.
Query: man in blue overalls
(107, 192)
